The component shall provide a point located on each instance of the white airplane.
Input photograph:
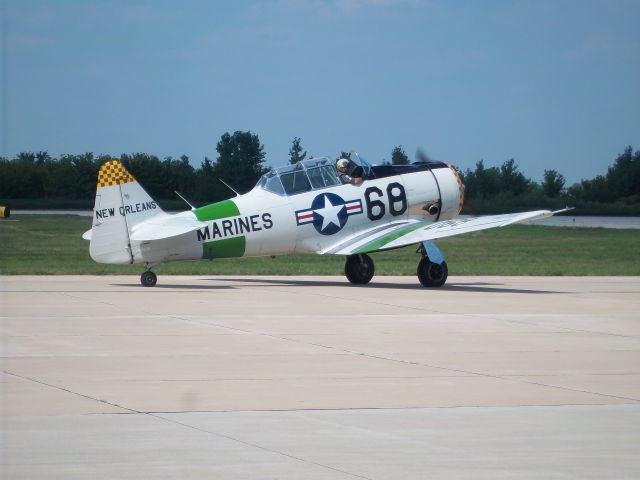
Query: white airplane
(300, 208)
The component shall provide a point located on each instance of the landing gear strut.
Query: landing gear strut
(148, 279)
(359, 269)
(432, 269)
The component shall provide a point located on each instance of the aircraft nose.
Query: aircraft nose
(460, 187)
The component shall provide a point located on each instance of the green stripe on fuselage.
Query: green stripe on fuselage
(216, 211)
(228, 247)
(384, 240)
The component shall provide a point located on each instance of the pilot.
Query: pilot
(349, 171)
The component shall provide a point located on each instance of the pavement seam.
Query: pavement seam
(518, 322)
(57, 387)
(380, 357)
(130, 411)
(365, 409)
(255, 445)
(408, 362)
(421, 309)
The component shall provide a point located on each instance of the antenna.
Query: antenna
(184, 199)
(229, 187)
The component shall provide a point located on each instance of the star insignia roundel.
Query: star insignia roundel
(328, 213)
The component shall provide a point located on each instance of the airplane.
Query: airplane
(307, 207)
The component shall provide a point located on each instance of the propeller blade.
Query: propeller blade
(422, 156)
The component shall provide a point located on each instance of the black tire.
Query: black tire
(148, 279)
(359, 269)
(432, 274)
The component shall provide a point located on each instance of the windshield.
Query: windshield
(359, 160)
(270, 181)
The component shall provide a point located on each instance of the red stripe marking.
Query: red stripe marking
(303, 216)
(354, 207)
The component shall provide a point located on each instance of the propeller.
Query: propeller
(434, 208)
(422, 156)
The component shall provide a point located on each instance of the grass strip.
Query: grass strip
(52, 244)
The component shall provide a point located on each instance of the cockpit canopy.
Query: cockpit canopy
(311, 174)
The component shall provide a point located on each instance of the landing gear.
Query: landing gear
(359, 269)
(148, 279)
(432, 274)
(432, 269)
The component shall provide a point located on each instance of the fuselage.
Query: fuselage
(308, 215)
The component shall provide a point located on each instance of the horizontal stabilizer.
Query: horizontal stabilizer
(164, 226)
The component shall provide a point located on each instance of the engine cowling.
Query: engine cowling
(437, 194)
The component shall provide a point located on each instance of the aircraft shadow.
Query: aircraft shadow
(452, 287)
(179, 287)
(464, 287)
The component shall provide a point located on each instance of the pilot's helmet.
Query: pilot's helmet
(342, 165)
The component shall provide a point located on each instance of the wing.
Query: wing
(408, 232)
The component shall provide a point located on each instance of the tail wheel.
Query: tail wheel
(359, 269)
(432, 274)
(148, 279)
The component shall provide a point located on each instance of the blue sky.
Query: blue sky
(553, 84)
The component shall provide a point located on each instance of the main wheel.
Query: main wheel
(359, 269)
(432, 274)
(148, 279)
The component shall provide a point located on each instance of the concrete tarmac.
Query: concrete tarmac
(312, 378)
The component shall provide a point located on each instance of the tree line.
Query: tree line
(498, 189)
(70, 180)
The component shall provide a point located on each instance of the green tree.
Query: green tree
(149, 171)
(63, 178)
(511, 179)
(623, 177)
(42, 158)
(27, 177)
(207, 188)
(398, 156)
(295, 152)
(179, 176)
(597, 190)
(481, 182)
(621, 182)
(240, 160)
(576, 192)
(553, 183)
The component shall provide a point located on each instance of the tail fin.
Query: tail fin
(120, 204)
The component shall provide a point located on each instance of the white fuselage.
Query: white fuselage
(273, 224)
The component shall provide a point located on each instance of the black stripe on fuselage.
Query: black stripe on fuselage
(383, 171)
